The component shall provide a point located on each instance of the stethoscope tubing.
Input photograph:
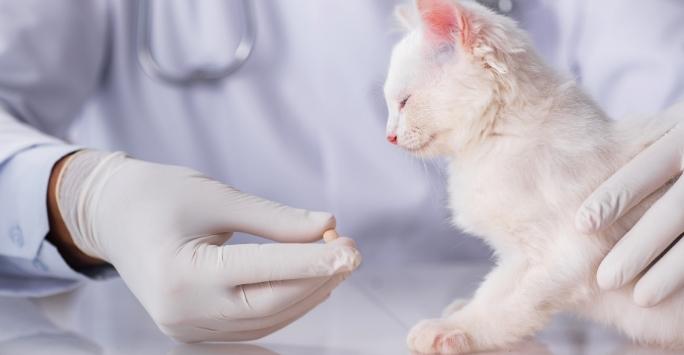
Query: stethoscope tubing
(150, 64)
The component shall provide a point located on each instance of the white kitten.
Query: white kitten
(526, 147)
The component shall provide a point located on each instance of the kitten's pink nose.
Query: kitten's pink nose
(392, 138)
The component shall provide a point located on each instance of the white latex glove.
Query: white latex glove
(163, 229)
(658, 228)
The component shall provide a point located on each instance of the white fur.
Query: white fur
(526, 147)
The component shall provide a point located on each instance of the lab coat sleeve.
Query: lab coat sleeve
(629, 54)
(51, 59)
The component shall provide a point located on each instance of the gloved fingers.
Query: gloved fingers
(254, 263)
(626, 188)
(246, 213)
(655, 231)
(267, 298)
(255, 328)
(262, 318)
(663, 279)
(346, 241)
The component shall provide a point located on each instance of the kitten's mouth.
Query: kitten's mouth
(422, 147)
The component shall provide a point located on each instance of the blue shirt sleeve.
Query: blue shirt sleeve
(30, 265)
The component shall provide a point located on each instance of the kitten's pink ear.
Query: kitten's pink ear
(444, 20)
(487, 36)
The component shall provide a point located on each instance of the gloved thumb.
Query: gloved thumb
(257, 216)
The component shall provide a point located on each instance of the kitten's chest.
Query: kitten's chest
(493, 204)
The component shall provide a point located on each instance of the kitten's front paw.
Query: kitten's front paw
(438, 336)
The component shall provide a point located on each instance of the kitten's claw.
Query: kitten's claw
(454, 307)
(438, 336)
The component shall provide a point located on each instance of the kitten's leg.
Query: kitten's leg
(496, 282)
(515, 301)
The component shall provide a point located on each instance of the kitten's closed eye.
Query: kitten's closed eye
(403, 102)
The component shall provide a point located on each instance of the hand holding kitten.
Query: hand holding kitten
(659, 228)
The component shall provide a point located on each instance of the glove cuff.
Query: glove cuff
(76, 184)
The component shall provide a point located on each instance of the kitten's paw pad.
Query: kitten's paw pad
(438, 336)
(454, 307)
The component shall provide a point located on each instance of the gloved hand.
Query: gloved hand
(163, 229)
(657, 229)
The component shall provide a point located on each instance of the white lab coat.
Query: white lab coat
(301, 123)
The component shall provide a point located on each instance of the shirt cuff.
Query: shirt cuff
(23, 185)
(26, 258)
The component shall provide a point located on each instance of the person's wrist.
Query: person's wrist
(59, 234)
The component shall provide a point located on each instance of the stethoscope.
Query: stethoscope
(150, 65)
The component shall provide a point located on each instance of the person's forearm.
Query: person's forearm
(59, 234)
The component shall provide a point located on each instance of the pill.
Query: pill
(330, 235)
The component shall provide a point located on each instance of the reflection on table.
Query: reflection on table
(370, 314)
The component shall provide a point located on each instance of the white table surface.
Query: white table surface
(369, 314)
